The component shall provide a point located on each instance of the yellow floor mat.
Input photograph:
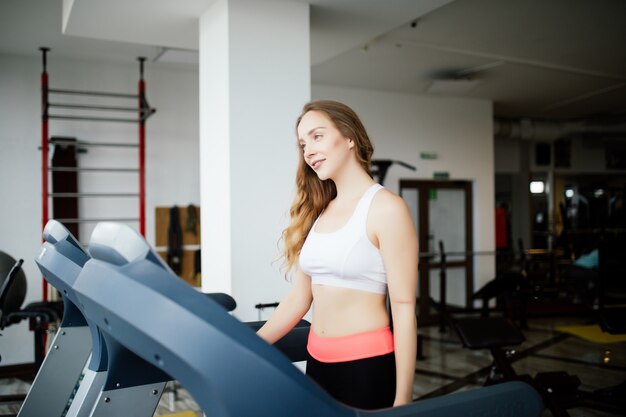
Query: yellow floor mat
(187, 413)
(592, 333)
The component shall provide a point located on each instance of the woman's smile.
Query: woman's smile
(316, 164)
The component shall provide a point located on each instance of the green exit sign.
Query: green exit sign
(428, 155)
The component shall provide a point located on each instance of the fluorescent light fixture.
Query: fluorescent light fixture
(569, 193)
(537, 187)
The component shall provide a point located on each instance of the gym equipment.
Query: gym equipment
(293, 344)
(12, 294)
(612, 305)
(141, 307)
(12, 286)
(558, 389)
(611, 286)
(381, 166)
(262, 306)
(101, 105)
(70, 349)
(61, 260)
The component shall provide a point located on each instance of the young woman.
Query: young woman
(351, 242)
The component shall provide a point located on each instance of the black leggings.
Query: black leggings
(368, 383)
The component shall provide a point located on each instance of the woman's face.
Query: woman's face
(324, 148)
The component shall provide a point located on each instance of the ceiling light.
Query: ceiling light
(537, 187)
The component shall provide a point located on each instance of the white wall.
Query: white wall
(255, 78)
(459, 130)
(401, 126)
(172, 164)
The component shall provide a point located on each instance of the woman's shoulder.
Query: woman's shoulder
(389, 217)
(387, 203)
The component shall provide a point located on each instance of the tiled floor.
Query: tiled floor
(545, 350)
(447, 366)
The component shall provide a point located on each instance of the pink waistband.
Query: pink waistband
(352, 347)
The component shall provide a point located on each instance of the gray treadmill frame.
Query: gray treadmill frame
(136, 301)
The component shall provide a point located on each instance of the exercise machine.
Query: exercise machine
(60, 261)
(142, 309)
(72, 345)
(559, 390)
(12, 294)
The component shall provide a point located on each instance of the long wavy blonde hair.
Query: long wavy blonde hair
(313, 194)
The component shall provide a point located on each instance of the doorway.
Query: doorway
(442, 212)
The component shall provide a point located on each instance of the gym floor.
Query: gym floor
(448, 367)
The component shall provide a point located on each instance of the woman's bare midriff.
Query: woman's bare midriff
(344, 311)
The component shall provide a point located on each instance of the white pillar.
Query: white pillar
(254, 80)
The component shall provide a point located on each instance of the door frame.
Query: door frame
(423, 188)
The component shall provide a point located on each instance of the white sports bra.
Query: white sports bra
(346, 258)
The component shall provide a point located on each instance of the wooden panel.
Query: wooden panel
(190, 238)
(162, 220)
(187, 270)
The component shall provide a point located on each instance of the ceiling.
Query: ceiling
(553, 60)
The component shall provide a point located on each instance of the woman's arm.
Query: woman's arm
(290, 310)
(398, 246)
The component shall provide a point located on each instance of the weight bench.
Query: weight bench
(40, 314)
(558, 389)
(152, 321)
